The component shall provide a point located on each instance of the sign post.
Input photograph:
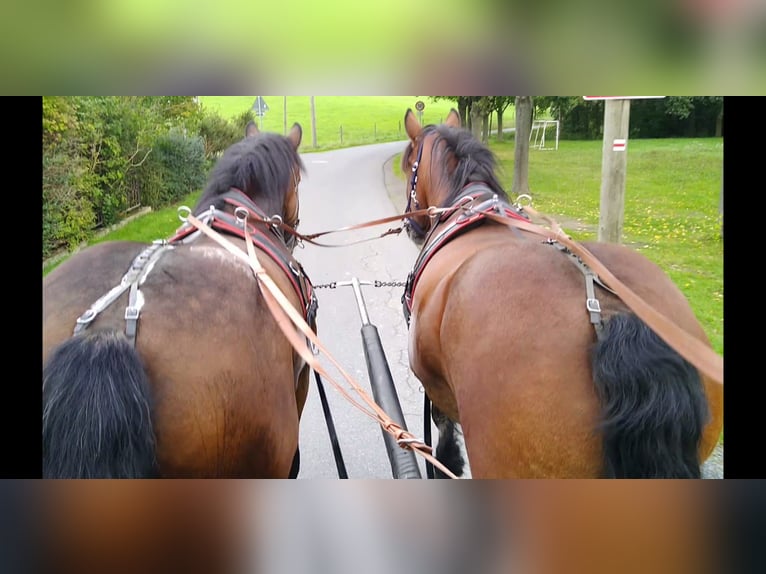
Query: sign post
(420, 106)
(614, 164)
(260, 107)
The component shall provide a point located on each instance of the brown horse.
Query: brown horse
(164, 360)
(501, 339)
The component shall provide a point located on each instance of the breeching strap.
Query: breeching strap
(692, 349)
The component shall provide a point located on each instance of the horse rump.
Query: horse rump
(653, 403)
(97, 410)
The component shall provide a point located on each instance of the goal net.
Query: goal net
(544, 134)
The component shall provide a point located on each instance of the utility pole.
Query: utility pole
(313, 124)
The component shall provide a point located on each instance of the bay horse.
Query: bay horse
(501, 340)
(163, 360)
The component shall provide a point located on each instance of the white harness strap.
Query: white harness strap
(139, 269)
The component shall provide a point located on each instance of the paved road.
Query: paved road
(342, 188)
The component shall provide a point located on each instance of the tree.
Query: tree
(524, 112)
(498, 104)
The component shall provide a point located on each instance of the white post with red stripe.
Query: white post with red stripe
(614, 164)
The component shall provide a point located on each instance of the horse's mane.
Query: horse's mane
(475, 162)
(260, 166)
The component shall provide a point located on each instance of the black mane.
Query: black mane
(261, 166)
(475, 161)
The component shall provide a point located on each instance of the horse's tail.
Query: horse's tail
(97, 410)
(654, 407)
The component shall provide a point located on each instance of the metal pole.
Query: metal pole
(403, 462)
(313, 124)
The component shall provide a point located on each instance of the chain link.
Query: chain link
(389, 283)
(376, 283)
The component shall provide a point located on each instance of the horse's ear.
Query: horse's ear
(412, 125)
(251, 129)
(296, 134)
(453, 119)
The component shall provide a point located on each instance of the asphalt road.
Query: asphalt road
(342, 188)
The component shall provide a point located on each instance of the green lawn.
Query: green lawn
(340, 120)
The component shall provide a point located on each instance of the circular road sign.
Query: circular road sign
(419, 105)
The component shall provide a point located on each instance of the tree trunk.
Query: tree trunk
(499, 125)
(521, 152)
(719, 123)
(476, 120)
(462, 109)
(485, 128)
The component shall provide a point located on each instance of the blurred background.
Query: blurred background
(418, 527)
(450, 46)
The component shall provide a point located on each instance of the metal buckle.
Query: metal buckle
(131, 313)
(593, 305)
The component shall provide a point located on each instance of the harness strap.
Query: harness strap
(225, 222)
(687, 345)
(471, 215)
(591, 303)
(139, 269)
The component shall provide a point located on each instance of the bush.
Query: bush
(175, 168)
(218, 134)
(68, 214)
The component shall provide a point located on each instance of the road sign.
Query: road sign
(419, 106)
(260, 106)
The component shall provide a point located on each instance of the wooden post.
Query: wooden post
(613, 169)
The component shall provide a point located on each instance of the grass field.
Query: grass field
(340, 120)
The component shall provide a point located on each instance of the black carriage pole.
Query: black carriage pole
(403, 462)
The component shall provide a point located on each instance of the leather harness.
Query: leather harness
(477, 202)
(270, 240)
(474, 209)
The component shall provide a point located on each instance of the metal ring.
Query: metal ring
(184, 210)
(275, 220)
(523, 196)
(241, 214)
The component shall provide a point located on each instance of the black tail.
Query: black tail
(653, 403)
(96, 410)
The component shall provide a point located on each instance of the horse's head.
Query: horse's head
(417, 161)
(265, 167)
(441, 161)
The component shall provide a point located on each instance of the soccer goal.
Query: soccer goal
(543, 133)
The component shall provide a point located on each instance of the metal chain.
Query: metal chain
(376, 283)
(389, 283)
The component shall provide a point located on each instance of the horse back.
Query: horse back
(223, 381)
